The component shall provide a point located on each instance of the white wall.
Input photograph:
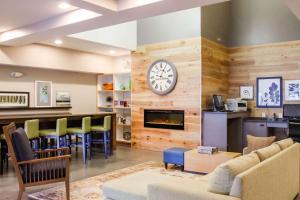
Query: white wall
(81, 86)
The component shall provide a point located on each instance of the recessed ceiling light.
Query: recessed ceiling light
(58, 42)
(112, 52)
(64, 5)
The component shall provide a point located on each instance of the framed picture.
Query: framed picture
(292, 90)
(63, 99)
(43, 93)
(269, 92)
(246, 92)
(14, 100)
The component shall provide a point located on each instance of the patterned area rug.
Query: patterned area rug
(90, 188)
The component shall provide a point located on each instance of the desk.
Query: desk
(49, 121)
(223, 130)
(263, 127)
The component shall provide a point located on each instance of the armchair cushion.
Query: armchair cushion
(21, 145)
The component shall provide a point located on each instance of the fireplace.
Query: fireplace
(166, 119)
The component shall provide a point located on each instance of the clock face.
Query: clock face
(162, 77)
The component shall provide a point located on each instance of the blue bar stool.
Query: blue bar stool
(59, 134)
(83, 132)
(105, 137)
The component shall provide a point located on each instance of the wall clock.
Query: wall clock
(162, 77)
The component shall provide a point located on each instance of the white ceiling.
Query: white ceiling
(41, 21)
(18, 13)
(88, 46)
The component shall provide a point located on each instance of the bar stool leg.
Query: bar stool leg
(105, 144)
(57, 142)
(84, 147)
(76, 146)
(89, 142)
(109, 143)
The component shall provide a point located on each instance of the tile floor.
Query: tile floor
(123, 157)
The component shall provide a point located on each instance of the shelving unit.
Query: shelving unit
(117, 100)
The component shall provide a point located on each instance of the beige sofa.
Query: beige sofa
(271, 173)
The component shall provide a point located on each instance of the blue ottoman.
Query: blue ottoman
(174, 156)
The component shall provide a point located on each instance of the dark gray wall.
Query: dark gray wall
(250, 22)
(172, 26)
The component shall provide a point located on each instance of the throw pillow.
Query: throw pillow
(255, 143)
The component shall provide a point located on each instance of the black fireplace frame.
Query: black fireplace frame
(164, 126)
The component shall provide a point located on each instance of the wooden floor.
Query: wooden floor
(123, 157)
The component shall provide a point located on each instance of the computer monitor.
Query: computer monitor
(218, 103)
(291, 111)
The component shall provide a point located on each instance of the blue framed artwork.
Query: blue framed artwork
(269, 92)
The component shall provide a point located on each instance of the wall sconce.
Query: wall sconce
(16, 74)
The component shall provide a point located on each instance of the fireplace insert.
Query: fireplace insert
(165, 119)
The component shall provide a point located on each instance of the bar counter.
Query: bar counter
(48, 121)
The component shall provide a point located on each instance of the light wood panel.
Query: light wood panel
(185, 54)
(248, 63)
(215, 71)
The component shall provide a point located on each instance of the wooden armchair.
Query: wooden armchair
(39, 167)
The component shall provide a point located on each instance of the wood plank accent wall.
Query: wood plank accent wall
(185, 54)
(215, 71)
(248, 63)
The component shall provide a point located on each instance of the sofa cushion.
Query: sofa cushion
(134, 186)
(223, 176)
(21, 145)
(268, 152)
(184, 190)
(283, 144)
(254, 143)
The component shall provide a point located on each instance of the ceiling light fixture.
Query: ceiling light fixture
(58, 42)
(112, 52)
(64, 5)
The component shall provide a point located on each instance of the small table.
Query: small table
(205, 163)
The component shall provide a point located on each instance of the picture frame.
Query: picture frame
(292, 90)
(247, 92)
(14, 99)
(269, 92)
(43, 93)
(63, 99)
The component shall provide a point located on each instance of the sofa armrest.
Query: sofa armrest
(171, 191)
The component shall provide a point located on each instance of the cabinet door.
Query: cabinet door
(258, 129)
